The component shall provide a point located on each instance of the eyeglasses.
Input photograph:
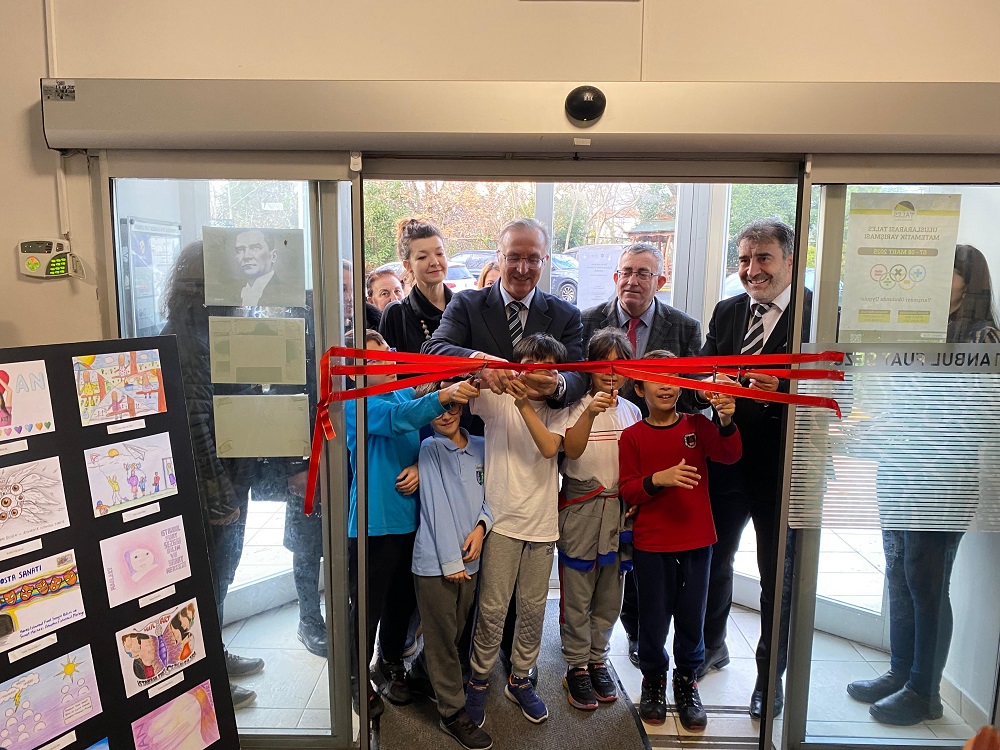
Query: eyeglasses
(642, 274)
(454, 408)
(513, 261)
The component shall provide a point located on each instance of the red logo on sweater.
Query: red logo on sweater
(691, 440)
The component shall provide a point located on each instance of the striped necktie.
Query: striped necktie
(514, 321)
(753, 342)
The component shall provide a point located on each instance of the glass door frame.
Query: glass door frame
(834, 172)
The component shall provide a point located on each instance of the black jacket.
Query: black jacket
(403, 322)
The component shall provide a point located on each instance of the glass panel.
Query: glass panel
(906, 483)
(226, 265)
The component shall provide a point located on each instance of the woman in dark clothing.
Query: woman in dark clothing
(918, 562)
(222, 483)
(407, 324)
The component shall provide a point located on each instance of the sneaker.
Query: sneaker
(243, 666)
(375, 705)
(242, 697)
(605, 688)
(653, 702)
(466, 733)
(476, 693)
(579, 689)
(394, 685)
(312, 634)
(418, 681)
(522, 692)
(688, 702)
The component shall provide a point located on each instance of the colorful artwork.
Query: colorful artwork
(48, 701)
(188, 722)
(130, 473)
(153, 649)
(25, 407)
(32, 501)
(117, 386)
(38, 598)
(99, 745)
(144, 560)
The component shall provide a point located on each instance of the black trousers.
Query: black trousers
(630, 607)
(732, 509)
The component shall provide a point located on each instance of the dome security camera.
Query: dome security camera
(585, 104)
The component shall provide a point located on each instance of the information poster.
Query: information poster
(597, 275)
(898, 265)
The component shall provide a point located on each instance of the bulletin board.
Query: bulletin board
(107, 638)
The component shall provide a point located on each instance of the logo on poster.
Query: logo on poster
(904, 210)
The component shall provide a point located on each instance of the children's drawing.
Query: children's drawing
(25, 407)
(133, 472)
(122, 385)
(144, 560)
(38, 598)
(32, 500)
(99, 745)
(155, 648)
(49, 700)
(188, 722)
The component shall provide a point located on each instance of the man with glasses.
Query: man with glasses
(650, 325)
(486, 323)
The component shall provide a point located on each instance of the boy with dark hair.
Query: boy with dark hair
(662, 462)
(454, 519)
(523, 436)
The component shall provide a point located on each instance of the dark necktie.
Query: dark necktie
(514, 321)
(753, 342)
(633, 338)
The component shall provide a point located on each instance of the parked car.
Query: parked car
(474, 260)
(459, 277)
(565, 277)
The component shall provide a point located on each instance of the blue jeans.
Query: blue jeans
(918, 570)
(226, 553)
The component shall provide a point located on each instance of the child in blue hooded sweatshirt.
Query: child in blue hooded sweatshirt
(394, 422)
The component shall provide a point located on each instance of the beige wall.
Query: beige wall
(768, 40)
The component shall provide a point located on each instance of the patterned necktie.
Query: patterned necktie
(753, 342)
(633, 323)
(514, 321)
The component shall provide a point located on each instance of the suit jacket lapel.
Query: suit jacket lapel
(741, 316)
(495, 320)
(538, 315)
(659, 334)
(777, 342)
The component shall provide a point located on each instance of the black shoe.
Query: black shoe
(715, 658)
(313, 637)
(870, 691)
(242, 697)
(757, 701)
(394, 685)
(375, 705)
(466, 733)
(633, 651)
(604, 686)
(653, 703)
(243, 666)
(419, 682)
(905, 708)
(579, 689)
(690, 711)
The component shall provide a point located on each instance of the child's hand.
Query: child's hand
(725, 407)
(459, 577)
(681, 475)
(518, 390)
(707, 394)
(458, 393)
(601, 402)
(632, 511)
(408, 480)
(473, 544)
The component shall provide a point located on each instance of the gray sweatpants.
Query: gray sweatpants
(444, 609)
(505, 562)
(590, 604)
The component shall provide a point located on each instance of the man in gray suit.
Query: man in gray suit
(650, 325)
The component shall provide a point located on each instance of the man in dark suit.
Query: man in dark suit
(260, 283)
(753, 323)
(650, 325)
(486, 323)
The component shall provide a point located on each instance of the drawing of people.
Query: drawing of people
(139, 562)
(142, 483)
(116, 496)
(180, 630)
(156, 482)
(6, 400)
(171, 479)
(133, 482)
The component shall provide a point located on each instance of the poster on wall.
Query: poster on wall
(597, 274)
(119, 386)
(150, 247)
(159, 646)
(25, 405)
(39, 598)
(130, 473)
(898, 265)
(32, 500)
(188, 721)
(43, 703)
(253, 267)
(144, 560)
(258, 350)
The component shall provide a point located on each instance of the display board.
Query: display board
(107, 639)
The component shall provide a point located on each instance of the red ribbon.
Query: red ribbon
(429, 368)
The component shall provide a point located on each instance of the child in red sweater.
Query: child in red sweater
(663, 470)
